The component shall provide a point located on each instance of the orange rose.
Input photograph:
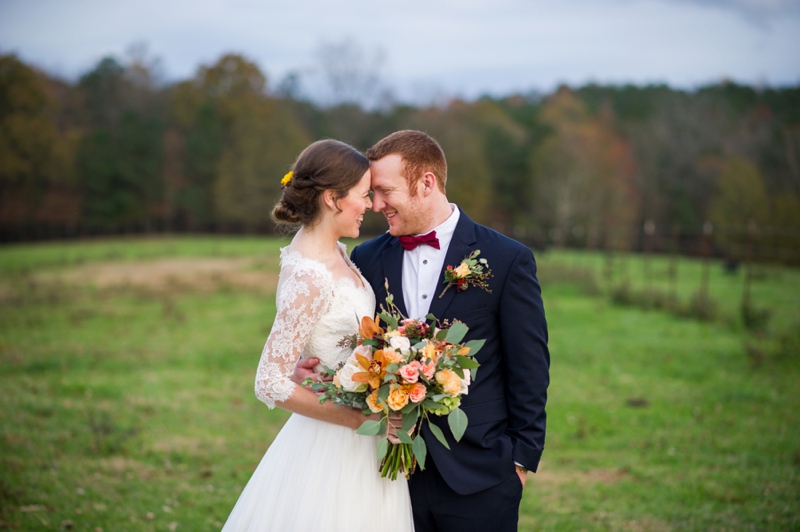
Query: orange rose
(397, 398)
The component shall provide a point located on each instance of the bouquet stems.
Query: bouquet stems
(399, 458)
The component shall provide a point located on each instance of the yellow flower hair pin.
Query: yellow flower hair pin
(287, 179)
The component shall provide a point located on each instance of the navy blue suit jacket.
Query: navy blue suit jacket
(506, 402)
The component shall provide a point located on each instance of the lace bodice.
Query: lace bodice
(315, 311)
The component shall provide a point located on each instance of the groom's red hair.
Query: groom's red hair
(420, 153)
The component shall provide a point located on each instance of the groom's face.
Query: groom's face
(406, 214)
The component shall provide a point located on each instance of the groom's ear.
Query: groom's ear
(428, 182)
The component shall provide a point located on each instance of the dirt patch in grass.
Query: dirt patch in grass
(181, 274)
(548, 477)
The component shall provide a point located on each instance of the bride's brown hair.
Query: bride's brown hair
(325, 165)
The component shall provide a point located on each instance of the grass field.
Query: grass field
(126, 381)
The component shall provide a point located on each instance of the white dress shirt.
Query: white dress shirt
(422, 268)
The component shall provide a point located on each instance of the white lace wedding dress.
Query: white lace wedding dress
(316, 476)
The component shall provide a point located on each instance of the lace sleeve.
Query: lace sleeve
(303, 296)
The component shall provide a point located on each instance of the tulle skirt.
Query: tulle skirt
(317, 476)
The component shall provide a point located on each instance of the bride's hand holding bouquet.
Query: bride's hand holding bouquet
(403, 372)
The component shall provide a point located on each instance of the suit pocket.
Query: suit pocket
(488, 412)
(473, 316)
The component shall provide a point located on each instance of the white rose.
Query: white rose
(465, 382)
(400, 343)
(363, 350)
(346, 378)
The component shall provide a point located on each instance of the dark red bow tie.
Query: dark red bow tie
(410, 242)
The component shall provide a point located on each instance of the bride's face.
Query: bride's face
(352, 208)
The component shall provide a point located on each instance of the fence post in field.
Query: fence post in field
(673, 262)
(593, 244)
(577, 234)
(748, 266)
(708, 230)
(609, 262)
(649, 231)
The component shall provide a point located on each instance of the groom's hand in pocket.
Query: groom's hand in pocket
(522, 474)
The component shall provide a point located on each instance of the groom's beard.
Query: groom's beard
(412, 219)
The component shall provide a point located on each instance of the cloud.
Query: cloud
(756, 11)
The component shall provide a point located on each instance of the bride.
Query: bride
(319, 474)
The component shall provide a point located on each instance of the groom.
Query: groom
(477, 485)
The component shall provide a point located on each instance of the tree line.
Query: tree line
(625, 167)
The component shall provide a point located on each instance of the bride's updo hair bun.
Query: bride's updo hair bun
(324, 165)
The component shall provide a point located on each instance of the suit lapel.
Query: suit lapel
(461, 245)
(392, 260)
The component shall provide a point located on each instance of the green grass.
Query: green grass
(129, 408)
(773, 287)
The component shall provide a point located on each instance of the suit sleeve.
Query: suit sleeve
(353, 255)
(523, 330)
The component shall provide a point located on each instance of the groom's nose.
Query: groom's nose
(377, 202)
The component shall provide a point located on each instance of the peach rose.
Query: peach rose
(417, 392)
(462, 270)
(409, 373)
(397, 398)
(428, 369)
(373, 404)
(449, 381)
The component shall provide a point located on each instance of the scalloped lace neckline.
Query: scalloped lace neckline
(286, 252)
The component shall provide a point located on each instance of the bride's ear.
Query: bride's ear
(329, 200)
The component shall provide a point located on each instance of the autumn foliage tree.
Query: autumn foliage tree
(118, 151)
(584, 175)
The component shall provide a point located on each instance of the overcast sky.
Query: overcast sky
(426, 48)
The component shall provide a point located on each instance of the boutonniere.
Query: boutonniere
(471, 272)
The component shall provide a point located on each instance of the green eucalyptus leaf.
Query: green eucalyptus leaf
(389, 320)
(458, 421)
(383, 448)
(474, 346)
(383, 393)
(404, 437)
(409, 420)
(429, 404)
(439, 434)
(369, 428)
(456, 332)
(420, 451)
(466, 362)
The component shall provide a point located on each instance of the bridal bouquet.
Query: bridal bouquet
(409, 369)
